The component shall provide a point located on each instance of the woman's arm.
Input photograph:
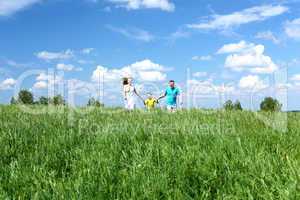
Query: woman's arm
(137, 94)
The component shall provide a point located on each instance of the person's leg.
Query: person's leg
(170, 108)
(174, 108)
(131, 105)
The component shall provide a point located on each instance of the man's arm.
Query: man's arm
(162, 96)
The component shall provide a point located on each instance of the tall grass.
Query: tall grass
(113, 154)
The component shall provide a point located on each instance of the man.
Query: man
(172, 93)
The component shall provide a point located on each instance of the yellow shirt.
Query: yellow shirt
(150, 103)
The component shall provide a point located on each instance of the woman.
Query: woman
(129, 93)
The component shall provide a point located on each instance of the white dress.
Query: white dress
(130, 97)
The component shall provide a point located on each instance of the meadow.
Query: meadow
(113, 154)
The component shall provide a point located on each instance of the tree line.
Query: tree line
(269, 104)
(26, 97)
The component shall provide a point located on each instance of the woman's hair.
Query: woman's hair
(125, 81)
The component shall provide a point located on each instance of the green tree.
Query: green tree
(228, 105)
(237, 105)
(270, 104)
(25, 97)
(93, 102)
(44, 100)
(58, 100)
(13, 101)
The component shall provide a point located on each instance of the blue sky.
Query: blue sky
(213, 49)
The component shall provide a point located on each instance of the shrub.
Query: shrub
(25, 97)
(228, 105)
(58, 100)
(270, 104)
(94, 102)
(44, 100)
(237, 105)
(13, 101)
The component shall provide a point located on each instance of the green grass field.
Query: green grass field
(112, 154)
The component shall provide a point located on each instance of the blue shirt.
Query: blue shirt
(171, 94)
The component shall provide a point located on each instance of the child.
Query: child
(150, 102)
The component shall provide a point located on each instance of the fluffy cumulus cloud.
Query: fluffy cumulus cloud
(9, 7)
(223, 22)
(7, 84)
(48, 56)
(165, 5)
(247, 57)
(251, 82)
(144, 70)
(40, 85)
(292, 29)
(44, 80)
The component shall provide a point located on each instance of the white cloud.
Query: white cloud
(67, 67)
(235, 47)
(144, 70)
(7, 84)
(133, 33)
(146, 65)
(201, 87)
(9, 7)
(180, 33)
(294, 82)
(102, 73)
(202, 58)
(49, 78)
(48, 56)
(152, 76)
(80, 87)
(40, 85)
(164, 5)
(207, 87)
(87, 51)
(296, 77)
(248, 57)
(251, 82)
(48, 81)
(292, 29)
(223, 22)
(268, 35)
(199, 74)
